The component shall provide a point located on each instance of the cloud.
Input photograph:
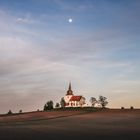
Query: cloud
(25, 73)
(23, 20)
(39, 56)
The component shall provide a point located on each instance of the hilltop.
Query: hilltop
(104, 124)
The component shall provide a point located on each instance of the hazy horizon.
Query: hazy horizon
(41, 51)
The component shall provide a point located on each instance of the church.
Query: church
(72, 100)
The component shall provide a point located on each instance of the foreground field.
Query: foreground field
(106, 124)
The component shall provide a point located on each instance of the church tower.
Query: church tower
(69, 92)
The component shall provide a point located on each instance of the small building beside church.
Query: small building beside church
(72, 100)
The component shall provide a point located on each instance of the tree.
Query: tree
(93, 101)
(48, 105)
(57, 105)
(62, 102)
(103, 101)
(45, 107)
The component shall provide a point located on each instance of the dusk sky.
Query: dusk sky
(41, 51)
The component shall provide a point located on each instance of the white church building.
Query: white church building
(72, 100)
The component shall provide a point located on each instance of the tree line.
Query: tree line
(49, 105)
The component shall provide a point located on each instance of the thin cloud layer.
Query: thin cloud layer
(40, 52)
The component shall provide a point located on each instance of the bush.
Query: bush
(131, 107)
(57, 105)
(9, 112)
(122, 107)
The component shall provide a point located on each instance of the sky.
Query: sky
(41, 52)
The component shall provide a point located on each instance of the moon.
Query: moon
(70, 20)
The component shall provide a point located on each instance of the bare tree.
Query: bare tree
(93, 101)
(103, 101)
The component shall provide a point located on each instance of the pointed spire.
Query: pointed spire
(69, 85)
(69, 92)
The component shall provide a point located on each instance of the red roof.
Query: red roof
(75, 98)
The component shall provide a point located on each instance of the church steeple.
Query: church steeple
(70, 86)
(69, 92)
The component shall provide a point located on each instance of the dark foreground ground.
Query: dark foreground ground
(108, 124)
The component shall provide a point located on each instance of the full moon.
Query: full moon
(70, 20)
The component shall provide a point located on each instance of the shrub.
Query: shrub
(9, 112)
(131, 107)
(57, 105)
